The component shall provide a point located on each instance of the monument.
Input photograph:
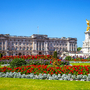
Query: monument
(86, 43)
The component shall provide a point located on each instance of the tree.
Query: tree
(79, 48)
(55, 54)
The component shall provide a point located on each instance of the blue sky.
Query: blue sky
(55, 18)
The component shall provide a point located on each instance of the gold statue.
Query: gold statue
(88, 24)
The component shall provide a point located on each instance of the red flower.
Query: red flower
(50, 62)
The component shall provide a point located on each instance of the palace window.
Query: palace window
(27, 48)
(12, 43)
(40, 44)
(72, 49)
(0, 48)
(20, 48)
(3, 48)
(8, 43)
(16, 48)
(63, 49)
(43, 49)
(60, 49)
(16, 43)
(30, 48)
(19, 43)
(12, 48)
(3, 43)
(51, 44)
(24, 48)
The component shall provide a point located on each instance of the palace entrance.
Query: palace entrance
(40, 53)
(20, 54)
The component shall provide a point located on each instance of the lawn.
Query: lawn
(30, 84)
(80, 63)
(3, 66)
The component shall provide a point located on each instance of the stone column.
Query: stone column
(6, 45)
(76, 47)
(2, 45)
(68, 46)
(44, 48)
(35, 45)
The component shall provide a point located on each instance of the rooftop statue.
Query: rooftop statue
(88, 24)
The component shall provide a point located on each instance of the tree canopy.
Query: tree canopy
(79, 48)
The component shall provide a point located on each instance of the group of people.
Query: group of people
(74, 57)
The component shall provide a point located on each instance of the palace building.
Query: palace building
(35, 45)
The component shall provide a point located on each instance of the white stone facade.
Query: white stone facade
(86, 43)
(35, 44)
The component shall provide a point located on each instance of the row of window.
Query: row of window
(21, 48)
(1, 43)
(2, 49)
(16, 43)
(19, 40)
(56, 44)
(72, 45)
(73, 49)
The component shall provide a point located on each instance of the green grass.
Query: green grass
(80, 63)
(3, 66)
(30, 84)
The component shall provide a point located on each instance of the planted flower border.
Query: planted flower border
(37, 57)
(45, 71)
(79, 62)
(36, 69)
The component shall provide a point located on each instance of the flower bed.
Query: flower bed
(36, 69)
(77, 59)
(38, 62)
(44, 65)
(79, 62)
(29, 62)
(46, 57)
(80, 59)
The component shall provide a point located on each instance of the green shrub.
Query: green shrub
(49, 66)
(0, 55)
(17, 62)
(68, 58)
(55, 54)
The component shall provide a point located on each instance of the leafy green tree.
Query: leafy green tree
(17, 62)
(79, 48)
(55, 54)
